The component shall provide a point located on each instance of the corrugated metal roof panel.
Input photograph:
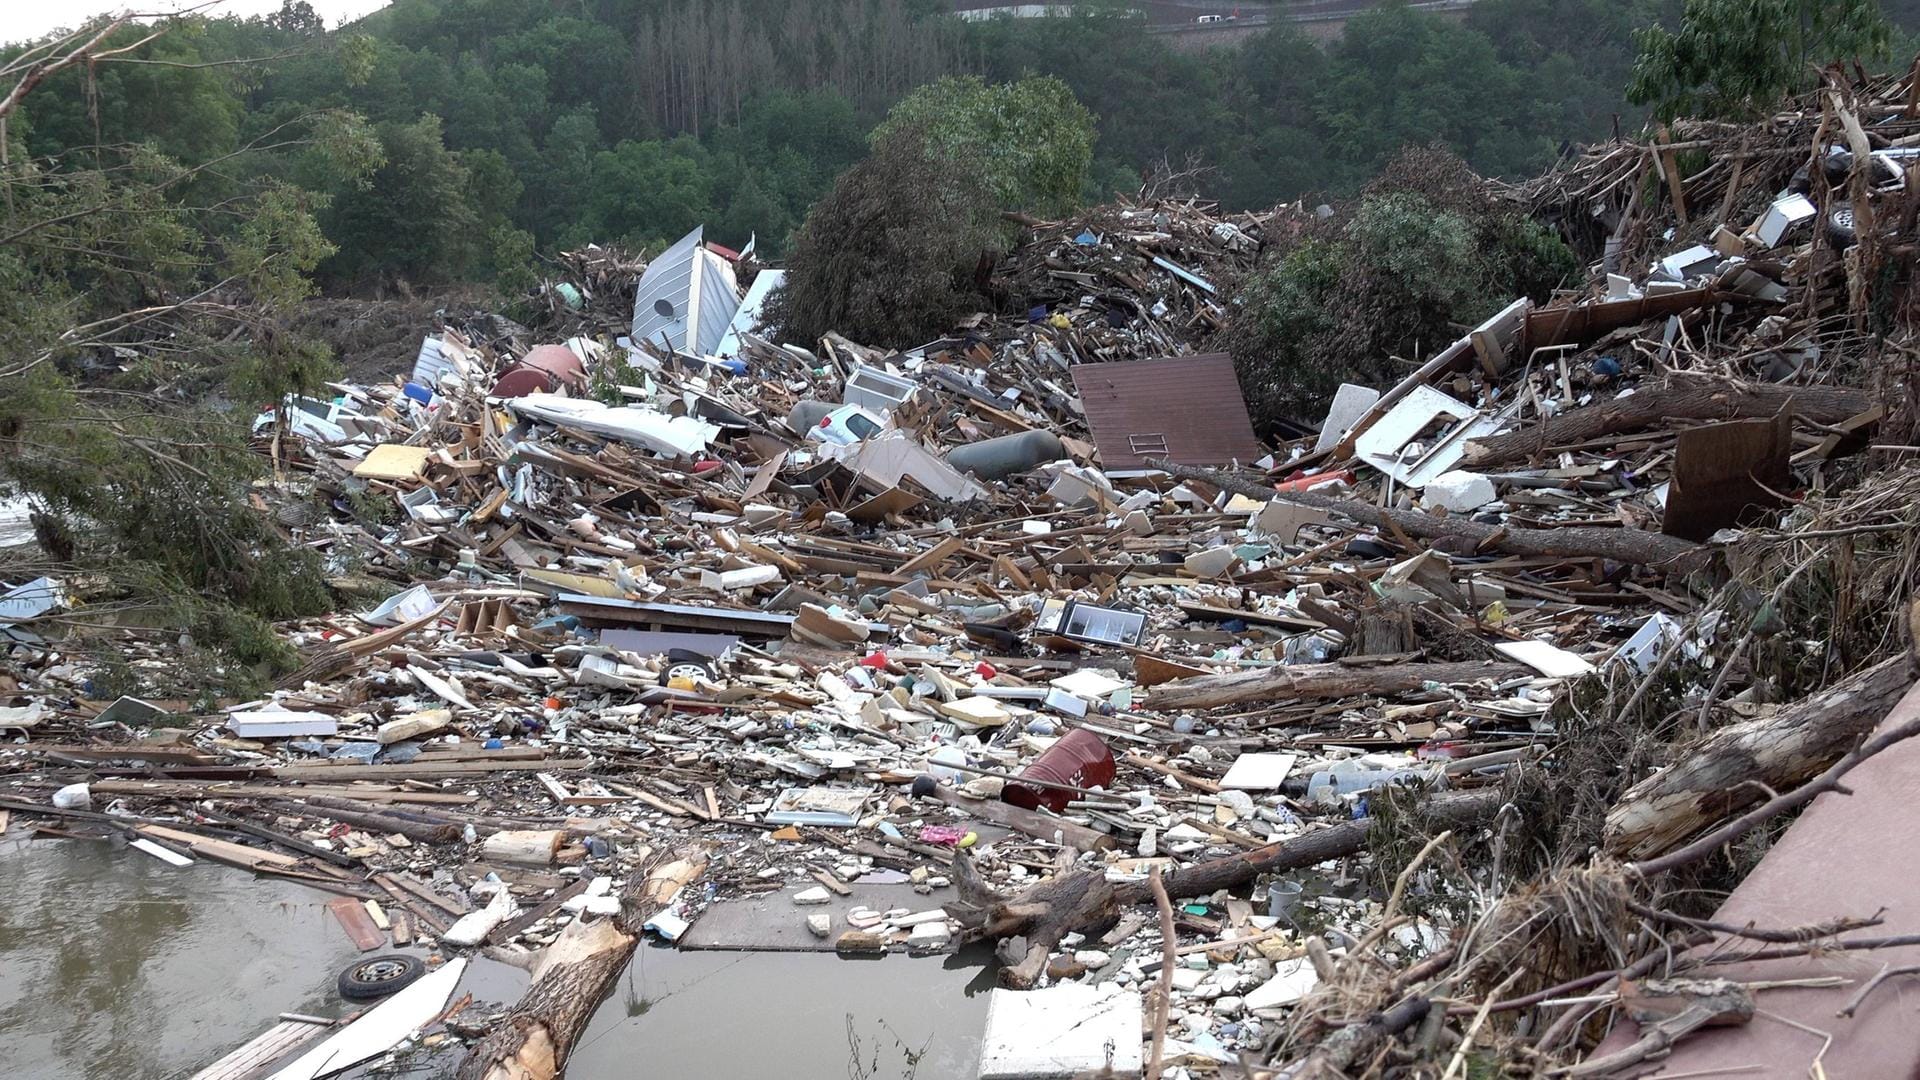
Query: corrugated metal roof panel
(686, 282)
(660, 302)
(1187, 409)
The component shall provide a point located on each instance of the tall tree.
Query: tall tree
(126, 270)
(1737, 57)
(413, 219)
(884, 266)
(1030, 141)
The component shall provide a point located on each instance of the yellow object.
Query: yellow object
(1495, 613)
(391, 461)
(968, 840)
(1059, 321)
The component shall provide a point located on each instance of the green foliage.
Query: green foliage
(632, 120)
(413, 218)
(168, 254)
(511, 252)
(1030, 140)
(1402, 78)
(646, 193)
(1736, 58)
(1420, 254)
(881, 268)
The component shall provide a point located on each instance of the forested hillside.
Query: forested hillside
(506, 125)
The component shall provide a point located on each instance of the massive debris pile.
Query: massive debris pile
(1313, 761)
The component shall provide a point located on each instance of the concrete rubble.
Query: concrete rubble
(636, 627)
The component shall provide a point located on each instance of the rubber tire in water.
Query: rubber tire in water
(377, 976)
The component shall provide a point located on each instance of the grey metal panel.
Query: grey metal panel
(667, 278)
(719, 299)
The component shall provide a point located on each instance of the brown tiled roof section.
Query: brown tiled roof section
(1187, 409)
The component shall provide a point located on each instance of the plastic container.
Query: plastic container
(1329, 784)
(1283, 899)
(1079, 759)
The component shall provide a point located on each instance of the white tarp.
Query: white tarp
(683, 436)
(752, 311)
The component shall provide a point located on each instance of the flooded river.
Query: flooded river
(115, 965)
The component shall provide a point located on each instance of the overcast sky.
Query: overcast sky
(23, 19)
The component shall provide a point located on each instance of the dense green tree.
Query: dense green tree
(775, 98)
(645, 194)
(1738, 57)
(413, 219)
(1151, 102)
(1576, 54)
(1401, 77)
(1030, 141)
(126, 271)
(1424, 251)
(887, 269)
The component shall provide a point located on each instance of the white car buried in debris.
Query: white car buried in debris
(847, 425)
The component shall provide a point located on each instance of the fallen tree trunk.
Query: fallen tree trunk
(1741, 765)
(1077, 900)
(1684, 399)
(1637, 547)
(570, 980)
(1287, 681)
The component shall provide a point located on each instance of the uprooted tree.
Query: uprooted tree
(1424, 249)
(888, 256)
(135, 281)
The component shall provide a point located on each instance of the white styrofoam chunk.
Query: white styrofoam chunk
(1062, 1031)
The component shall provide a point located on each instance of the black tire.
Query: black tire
(377, 976)
(1840, 226)
(691, 665)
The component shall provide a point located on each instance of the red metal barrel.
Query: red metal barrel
(1079, 760)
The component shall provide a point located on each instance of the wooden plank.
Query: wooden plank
(373, 643)
(220, 789)
(1150, 670)
(1032, 823)
(240, 855)
(353, 918)
(504, 932)
(418, 769)
(1213, 613)
(410, 884)
(166, 755)
(932, 557)
(837, 886)
(243, 1062)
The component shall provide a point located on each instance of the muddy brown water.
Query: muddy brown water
(116, 966)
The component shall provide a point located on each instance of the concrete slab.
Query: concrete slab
(1062, 1031)
(774, 923)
